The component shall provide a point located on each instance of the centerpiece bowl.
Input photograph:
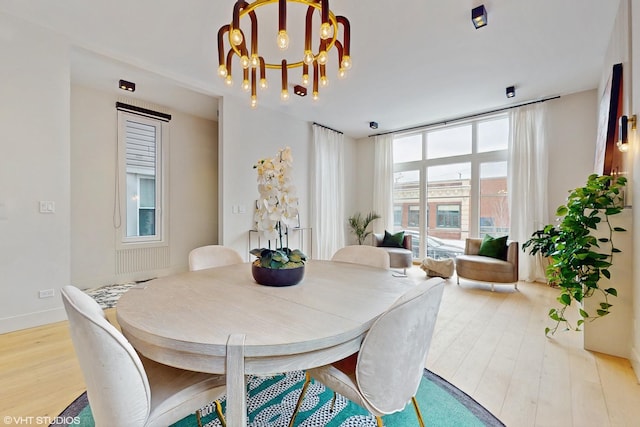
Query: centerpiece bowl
(277, 277)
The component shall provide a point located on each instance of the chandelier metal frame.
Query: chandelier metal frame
(251, 61)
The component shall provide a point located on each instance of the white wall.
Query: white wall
(249, 135)
(634, 102)
(58, 145)
(571, 133)
(34, 166)
(192, 180)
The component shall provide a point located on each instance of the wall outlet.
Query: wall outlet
(46, 293)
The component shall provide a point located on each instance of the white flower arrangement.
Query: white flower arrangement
(277, 209)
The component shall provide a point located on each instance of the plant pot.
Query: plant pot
(277, 277)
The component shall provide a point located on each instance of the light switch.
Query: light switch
(47, 206)
(242, 209)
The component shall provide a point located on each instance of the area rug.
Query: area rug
(107, 296)
(271, 401)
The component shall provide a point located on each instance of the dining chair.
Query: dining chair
(363, 254)
(123, 388)
(384, 375)
(213, 256)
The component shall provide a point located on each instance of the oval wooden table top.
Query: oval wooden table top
(188, 320)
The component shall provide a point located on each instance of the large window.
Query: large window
(141, 172)
(457, 176)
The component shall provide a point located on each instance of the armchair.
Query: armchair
(472, 266)
(398, 257)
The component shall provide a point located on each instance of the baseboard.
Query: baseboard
(30, 320)
(635, 362)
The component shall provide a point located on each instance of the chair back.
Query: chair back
(364, 255)
(393, 353)
(213, 256)
(117, 385)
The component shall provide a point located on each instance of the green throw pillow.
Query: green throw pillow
(494, 247)
(393, 240)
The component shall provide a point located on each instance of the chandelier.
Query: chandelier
(315, 56)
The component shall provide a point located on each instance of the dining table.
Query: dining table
(219, 320)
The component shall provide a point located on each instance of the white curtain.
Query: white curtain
(383, 183)
(527, 183)
(327, 192)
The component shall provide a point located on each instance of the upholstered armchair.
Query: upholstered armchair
(398, 257)
(472, 266)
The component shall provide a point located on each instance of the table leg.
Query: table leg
(236, 384)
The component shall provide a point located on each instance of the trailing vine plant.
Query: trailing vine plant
(578, 260)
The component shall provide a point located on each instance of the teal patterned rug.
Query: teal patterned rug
(271, 401)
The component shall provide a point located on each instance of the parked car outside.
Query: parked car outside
(436, 248)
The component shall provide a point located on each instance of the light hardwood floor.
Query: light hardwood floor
(489, 344)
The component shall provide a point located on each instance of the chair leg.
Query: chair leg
(220, 414)
(516, 285)
(307, 379)
(418, 413)
(493, 288)
(199, 418)
(333, 401)
(458, 279)
(379, 422)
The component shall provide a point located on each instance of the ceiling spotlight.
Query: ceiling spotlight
(511, 91)
(125, 85)
(300, 90)
(479, 16)
(373, 125)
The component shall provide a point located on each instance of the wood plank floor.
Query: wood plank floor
(489, 344)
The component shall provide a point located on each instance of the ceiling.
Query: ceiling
(414, 62)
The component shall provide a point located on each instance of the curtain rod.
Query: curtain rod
(327, 127)
(444, 122)
(143, 111)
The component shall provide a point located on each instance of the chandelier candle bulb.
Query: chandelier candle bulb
(321, 29)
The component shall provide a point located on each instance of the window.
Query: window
(413, 219)
(448, 216)
(397, 215)
(140, 146)
(450, 182)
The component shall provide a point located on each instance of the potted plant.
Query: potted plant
(578, 259)
(359, 225)
(275, 212)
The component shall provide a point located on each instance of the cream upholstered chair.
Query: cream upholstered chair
(123, 388)
(363, 254)
(385, 374)
(213, 256)
(472, 266)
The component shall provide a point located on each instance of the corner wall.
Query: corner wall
(192, 189)
(248, 135)
(634, 153)
(34, 166)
